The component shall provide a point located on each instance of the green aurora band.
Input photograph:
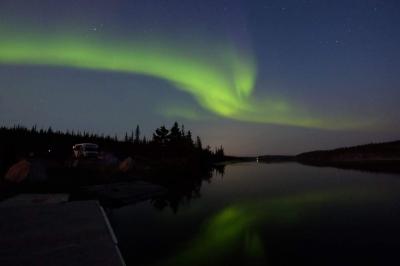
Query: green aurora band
(222, 81)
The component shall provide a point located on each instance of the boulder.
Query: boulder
(34, 171)
(126, 165)
(18, 172)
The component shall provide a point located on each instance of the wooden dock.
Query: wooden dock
(73, 233)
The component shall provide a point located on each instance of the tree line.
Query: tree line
(18, 142)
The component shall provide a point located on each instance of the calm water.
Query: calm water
(269, 214)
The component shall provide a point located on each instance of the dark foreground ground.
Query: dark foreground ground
(74, 233)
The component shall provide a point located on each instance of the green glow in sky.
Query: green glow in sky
(222, 82)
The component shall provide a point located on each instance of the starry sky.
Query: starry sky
(258, 77)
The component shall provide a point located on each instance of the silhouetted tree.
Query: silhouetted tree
(131, 139)
(198, 144)
(189, 139)
(175, 133)
(161, 135)
(137, 135)
(219, 154)
(183, 130)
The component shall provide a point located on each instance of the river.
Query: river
(268, 214)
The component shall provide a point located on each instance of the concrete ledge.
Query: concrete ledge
(74, 233)
(34, 199)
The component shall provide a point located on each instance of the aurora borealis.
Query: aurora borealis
(213, 64)
(221, 85)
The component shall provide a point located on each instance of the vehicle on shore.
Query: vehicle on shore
(86, 150)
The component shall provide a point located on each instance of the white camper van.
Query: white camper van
(85, 150)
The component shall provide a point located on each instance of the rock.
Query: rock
(34, 171)
(126, 165)
(18, 172)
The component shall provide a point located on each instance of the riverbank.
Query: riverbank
(375, 157)
(114, 184)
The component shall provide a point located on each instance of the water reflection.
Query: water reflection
(382, 166)
(268, 214)
(236, 227)
(185, 189)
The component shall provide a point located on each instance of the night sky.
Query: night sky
(258, 77)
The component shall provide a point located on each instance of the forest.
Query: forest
(166, 149)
